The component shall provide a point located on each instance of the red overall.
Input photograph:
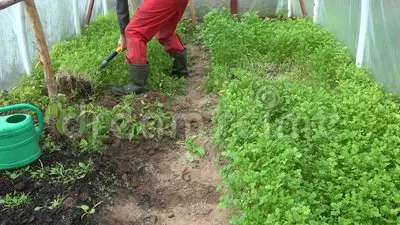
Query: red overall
(157, 18)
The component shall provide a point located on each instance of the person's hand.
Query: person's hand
(122, 42)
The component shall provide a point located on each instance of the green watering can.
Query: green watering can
(19, 137)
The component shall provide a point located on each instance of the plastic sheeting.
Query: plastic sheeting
(382, 50)
(204, 6)
(263, 7)
(341, 17)
(383, 43)
(309, 7)
(58, 24)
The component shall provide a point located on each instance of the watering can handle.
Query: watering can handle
(38, 113)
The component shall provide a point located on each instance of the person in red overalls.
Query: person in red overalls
(154, 18)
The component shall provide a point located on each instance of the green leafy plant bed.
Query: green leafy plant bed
(83, 55)
(309, 137)
(74, 177)
(80, 58)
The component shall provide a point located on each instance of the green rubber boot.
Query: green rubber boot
(139, 75)
(179, 66)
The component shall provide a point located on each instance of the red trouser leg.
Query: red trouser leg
(154, 17)
(167, 35)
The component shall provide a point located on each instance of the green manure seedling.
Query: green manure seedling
(13, 200)
(316, 144)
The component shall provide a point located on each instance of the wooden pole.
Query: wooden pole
(193, 12)
(234, 7)
(7, 3)
(89, 12)
(41, 45)
(303, 8)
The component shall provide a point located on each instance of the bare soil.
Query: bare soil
(96, 185)
(139, 182)
(169, 186)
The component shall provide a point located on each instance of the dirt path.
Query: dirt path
(169, 187)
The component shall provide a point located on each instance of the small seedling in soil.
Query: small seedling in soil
(192, 147)
(198, 87)
(17, 173)
(13, 200)
(207, 105)
(49, 144)
(38, 174)
(87, 210)
(60, 174)
(190, 157)
(78, 128)
(54, 204)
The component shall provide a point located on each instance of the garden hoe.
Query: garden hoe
(110, 57)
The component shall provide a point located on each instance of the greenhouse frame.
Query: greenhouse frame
(242, 112)
(368, 28)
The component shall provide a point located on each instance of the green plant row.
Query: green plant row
(309, 137)
(83, 54)
(89, 126)
(81, 57)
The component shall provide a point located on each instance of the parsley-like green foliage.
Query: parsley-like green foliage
(81, 57)
(83, 54)
(310, 138)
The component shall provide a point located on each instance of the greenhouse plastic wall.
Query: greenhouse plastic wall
(383, 43)
(378, 50)
(204, 6)
(309, 8)
(342, 18)
(381, 51)
(16, 37)
(263, 7)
